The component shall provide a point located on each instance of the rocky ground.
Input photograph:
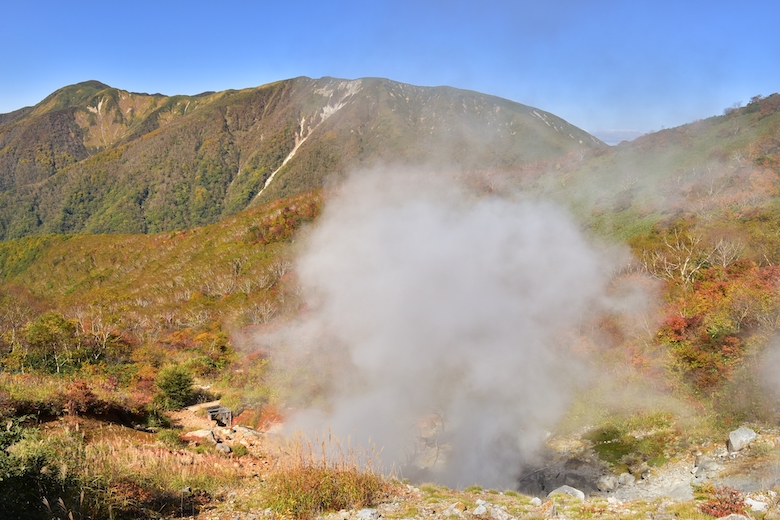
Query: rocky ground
(569, 481)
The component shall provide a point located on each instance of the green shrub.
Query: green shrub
(170, 439)
(175, 383)
(239, 450)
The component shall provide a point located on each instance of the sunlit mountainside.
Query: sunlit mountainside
(91, 158)
(151, 246)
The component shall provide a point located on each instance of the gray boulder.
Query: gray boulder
(607, 483)
(626, 479)
(740, 438)
(223, 448)
(567, 490)
(368, 514)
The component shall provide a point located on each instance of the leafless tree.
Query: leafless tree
(726, 252)
(683, 257)
(261, 312)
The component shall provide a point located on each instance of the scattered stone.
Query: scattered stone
(734, 516)
(567, 490)
(756, 505)
(626, 479)
(639, 470)
(607, 483)
(500, 513)
(740, 438)
(223, 448)
(455, 509)
(536, 501)
(368, 514)
(480, 510)
(223, 433)
(720, 452)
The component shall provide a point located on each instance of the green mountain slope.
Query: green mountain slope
(91, 158)
(725, 166)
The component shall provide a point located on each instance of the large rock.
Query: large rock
(223, 448)
(756, 505)
(607, 483)
(567, 490)
(246, 436)
(626, 479)
(199, 437)
(740, 438)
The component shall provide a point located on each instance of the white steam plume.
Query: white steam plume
(424, 299)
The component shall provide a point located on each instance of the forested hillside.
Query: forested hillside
(91, 158)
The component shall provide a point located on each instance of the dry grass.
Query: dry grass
(305, 483)
(117, 474)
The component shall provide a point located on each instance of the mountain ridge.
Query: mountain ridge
(93, 158)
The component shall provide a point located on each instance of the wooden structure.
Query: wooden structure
(221, 414)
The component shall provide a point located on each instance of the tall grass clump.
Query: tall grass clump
(304, 484)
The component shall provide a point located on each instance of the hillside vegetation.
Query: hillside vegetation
(91, 158)
(158, 311)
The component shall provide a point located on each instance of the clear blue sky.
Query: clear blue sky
(600, 64)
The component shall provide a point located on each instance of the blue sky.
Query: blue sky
(600, 64)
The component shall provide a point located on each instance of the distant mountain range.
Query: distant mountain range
(92, 158)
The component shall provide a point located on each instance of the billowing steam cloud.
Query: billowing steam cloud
(425, 301)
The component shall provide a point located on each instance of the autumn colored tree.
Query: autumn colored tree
(52, 343)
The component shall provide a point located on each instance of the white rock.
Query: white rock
(536, 501)
(499, 514)
(567, 490)
(756, 505)
(368, 514)
(479, 510)
(740, 438)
